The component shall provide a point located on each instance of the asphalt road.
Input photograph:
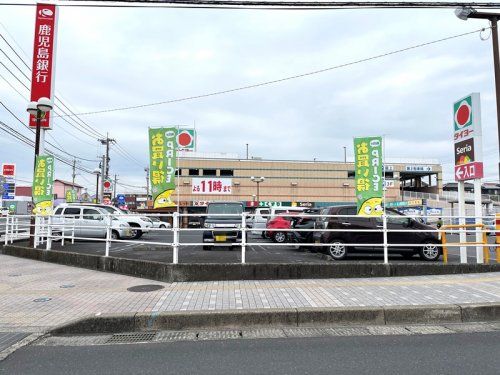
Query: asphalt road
(471, 353)
(259, 250)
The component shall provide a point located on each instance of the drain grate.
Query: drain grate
(66, 286)
(44, 299)
(131, 337)
(145, 288)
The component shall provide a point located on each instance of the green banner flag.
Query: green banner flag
(369, 178)
(71, 196)
(162, 165)
(43, 185)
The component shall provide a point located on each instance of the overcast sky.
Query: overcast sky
(115, 57)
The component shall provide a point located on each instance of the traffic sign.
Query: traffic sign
(108, 185)
(469, 171)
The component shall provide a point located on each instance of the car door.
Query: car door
(399, 230)
(72, 217)
(93, 223)
(363, 229)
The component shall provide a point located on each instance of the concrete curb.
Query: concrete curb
(168, 272)
(297, 317)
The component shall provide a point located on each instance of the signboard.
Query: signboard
(12, 208)
(467, 138)
(274, 204)
(410, 203)
(368, 175)
(108, 185)
(418, 168)
(200, 203)
(43, 185)
(106, 199)
(186, 140)
(389, 183)
(120, 199)
(162, 165)
(303, 204)
(200, 185)
(8, 170)
(42, 78)
(71, 196)
(469, 171)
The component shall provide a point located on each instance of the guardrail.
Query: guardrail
(336, 235)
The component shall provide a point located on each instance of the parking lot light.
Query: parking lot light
(464, 13)
(257, 180)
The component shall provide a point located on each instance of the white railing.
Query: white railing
(335, 234)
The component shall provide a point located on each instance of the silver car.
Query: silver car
(88, 222)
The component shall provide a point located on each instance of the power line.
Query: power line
(267, 83)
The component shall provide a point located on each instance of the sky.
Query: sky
(115, 57)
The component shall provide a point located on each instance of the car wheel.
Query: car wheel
(136, 234)
(337, 250)
(115, 235)
(263, 234)
(162, 226)
(206, 248)
(279, 237)
(429, 251)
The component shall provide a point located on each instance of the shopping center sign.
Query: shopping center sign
(467, 138)
(211, 186)
(42, 77)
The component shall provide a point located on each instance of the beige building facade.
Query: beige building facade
(313, 183)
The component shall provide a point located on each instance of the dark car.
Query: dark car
(404, 232)
(304, 221)
(222, 224)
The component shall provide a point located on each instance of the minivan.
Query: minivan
(362, 227)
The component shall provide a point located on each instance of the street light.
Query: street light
(97, 172)
(37, 109)
(257, 180)
(464, 13)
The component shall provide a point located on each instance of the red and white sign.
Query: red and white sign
(211, 186)
(108, 186)
(42, 78)
(469, 171)
(8, 170)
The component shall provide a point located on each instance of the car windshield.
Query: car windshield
(111, 210)
(225, 208)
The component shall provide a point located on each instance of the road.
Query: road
(465, 353)
(259, 250)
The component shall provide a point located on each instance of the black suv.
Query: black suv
(405, 241)
(221, 229)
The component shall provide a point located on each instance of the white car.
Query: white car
(88, 222)
(157, 223)
(140, 224)
(4, 211)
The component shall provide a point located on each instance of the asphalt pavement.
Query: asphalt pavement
(465, 353)
(259, 250)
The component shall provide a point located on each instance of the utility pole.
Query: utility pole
(115, 182)
(147, 182)
(103, 169)
(106, 142)
(73, 175)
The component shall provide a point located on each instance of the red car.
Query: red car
(276, 223)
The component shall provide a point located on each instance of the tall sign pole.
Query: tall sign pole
(467, 138)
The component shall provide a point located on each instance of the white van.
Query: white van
(263, 214)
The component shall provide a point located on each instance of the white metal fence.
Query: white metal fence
(336, 235)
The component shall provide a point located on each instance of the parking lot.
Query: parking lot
(258, 250)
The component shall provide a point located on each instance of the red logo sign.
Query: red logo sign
(8, 170)
(184, 139)
(42, 78)
(462, 115)
(107, 184)
(469, 171)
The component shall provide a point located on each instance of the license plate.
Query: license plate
(220, 238)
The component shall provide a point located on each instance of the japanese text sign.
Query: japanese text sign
(369, 178)
(162, 165)
(43, 184)
(8, 170)
(42, 78)
(211, 186)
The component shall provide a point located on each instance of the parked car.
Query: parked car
(139, 224)
(220, 229)
(195, 222)
(339, 241)
(4, 211)
(304, 221)
(258, 222)
(88, 222)
(158, 223)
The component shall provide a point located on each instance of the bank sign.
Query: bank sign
(467, 138)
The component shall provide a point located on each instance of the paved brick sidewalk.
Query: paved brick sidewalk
(75, 292)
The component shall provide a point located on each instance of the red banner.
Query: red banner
(42, 78)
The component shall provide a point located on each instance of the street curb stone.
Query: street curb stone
(186, 272)
(296, 317)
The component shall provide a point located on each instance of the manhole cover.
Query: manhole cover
(145, 288)
(65, 286)
(131, 337)
(45, 299)
(14, 274)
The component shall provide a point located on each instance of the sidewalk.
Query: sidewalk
(67, 293)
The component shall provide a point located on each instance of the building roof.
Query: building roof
(69, 183)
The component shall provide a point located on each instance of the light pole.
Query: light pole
(97, 172)
(464, 13)
(37, 109)
(257, 180)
